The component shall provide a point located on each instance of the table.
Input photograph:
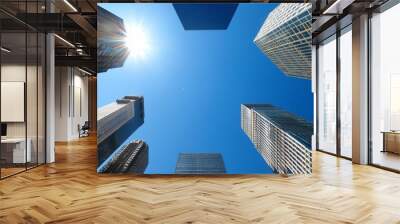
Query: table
(13, 150)
(391, 141)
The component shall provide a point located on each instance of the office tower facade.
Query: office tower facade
(111, 47)
(130, 158)
(116, 122)
(205, 16)
(200, 163)
(285, 37)
(281, 138)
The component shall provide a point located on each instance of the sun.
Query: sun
(137, 41)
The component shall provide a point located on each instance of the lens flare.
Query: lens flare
(137, 41)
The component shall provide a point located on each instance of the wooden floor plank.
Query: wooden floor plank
(70, 191)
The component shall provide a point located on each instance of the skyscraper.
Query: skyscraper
(285, 37)
(205, 16)
(200, 163)
(111, 34)
(116, 122)
(130, 158)
(283, 139)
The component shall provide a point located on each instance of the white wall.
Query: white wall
(80, 102)
(71, 94)
(61, 103)
(16, 72)
(33, 126)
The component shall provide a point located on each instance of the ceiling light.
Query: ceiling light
(70, 5)
(79, 51)
(64, 40)
(5, 50)
(84, 71)
(337, 7)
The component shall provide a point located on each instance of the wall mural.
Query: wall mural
(206, 88)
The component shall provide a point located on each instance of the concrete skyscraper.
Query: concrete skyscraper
(285, 37)
(116, 122)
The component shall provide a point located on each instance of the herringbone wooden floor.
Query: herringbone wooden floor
(70, 191)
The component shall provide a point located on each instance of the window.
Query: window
(346, 92)
(385, 89)
(22, 88)
(327, 95)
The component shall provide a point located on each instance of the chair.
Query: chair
(84, 130)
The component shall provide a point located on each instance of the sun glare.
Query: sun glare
(137, 41)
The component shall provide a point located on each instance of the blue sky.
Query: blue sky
(193, 83)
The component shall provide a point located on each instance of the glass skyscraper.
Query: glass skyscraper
(285, 37)
(200, 163)
(282, 138)
(205, 16)
(111, 34)
(130, 158)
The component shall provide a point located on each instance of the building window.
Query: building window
(346, 92)
(327, 95)
(385, 89)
